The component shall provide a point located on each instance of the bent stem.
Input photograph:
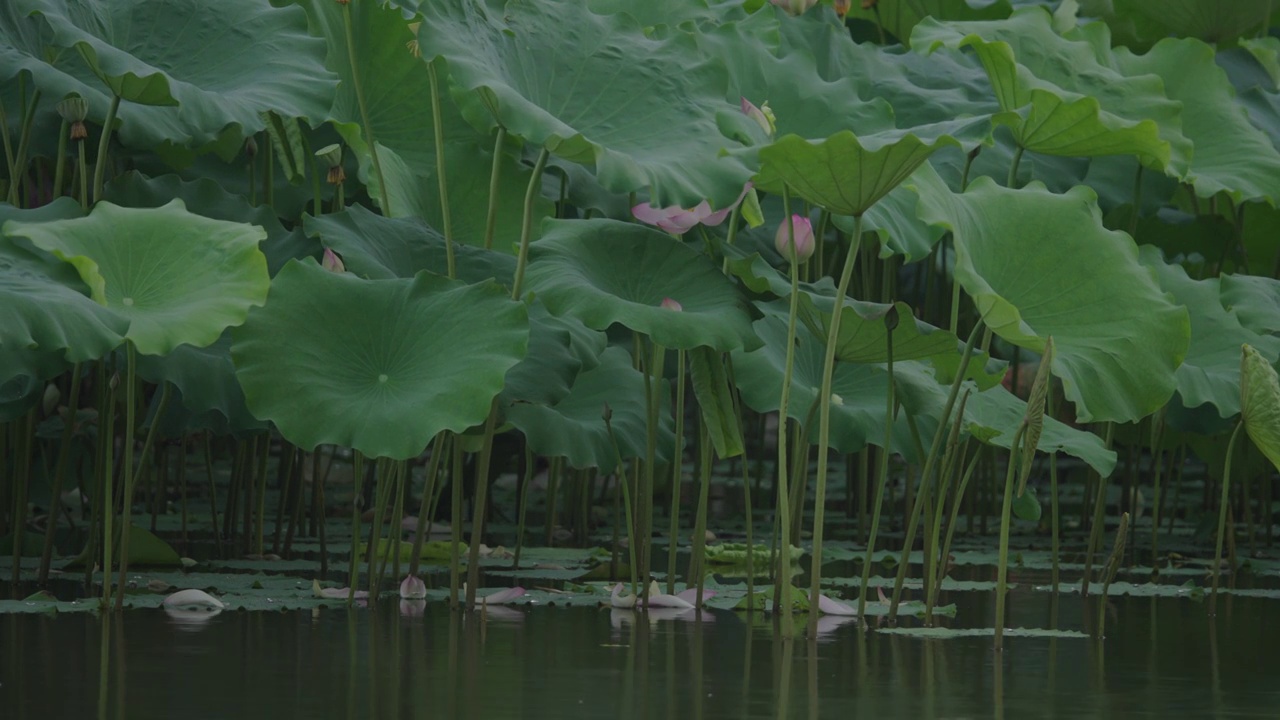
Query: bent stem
(100, 164)
(495, 172)
(526, 222)
(1222, 517)
(364, 108)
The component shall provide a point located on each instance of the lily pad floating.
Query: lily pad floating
(176, 277)
(942, 633)
(605, 271)
(380, 366)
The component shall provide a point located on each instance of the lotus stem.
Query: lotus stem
(706, 455)
(376, 553)
(1113, 566)
(480, 504)
(24, 141)
(644, 496)
(455, 522)
(824, 418)
(677, 474)
(1224, 503)
(439, 446)
(526, 485)
(213, 494)
(107, 501)
(526, 222)
(782, 594)
(1095, 530)
(357, 474)
(7, 142)
(24, 438)
(59, 473)
(945, 552)
(953, 454)
(930, 461)
(883, 480)
(83, 175)
(495, 174)
(626, 499)
(1012, 180)
(358, 86)
(100, 164)
(1137, 202)
(131, 476)
(1002, 572)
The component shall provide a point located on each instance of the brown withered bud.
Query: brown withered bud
(250, 147)
(336, 175)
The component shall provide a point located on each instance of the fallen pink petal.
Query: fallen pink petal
(413, 588)
(835, 607)
(502, 596)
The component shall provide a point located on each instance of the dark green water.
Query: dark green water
(1161, 658)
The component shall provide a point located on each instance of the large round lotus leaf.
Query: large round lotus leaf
(847, 174)
(1070, 101)
(206, 382)
(176, 277)
(573, 427)
(43, 303)
(1142, 23)
(208, 198)
(1038, 265)
(381, 366)
(556, 356)
(1260, 403)
(379, 247)
(1211, 371)
(1231, 155)
(898, 17)
(595, 90)
(856, 420)
(221, 64)
(604, 272)
(397, 94)
(1254, 300)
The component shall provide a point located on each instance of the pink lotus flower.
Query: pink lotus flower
(332, 262)
(794, 7)
(803, 230)
(834, 607)
(762, 115)
(677, 220)
(502, 597)
(336, 593)
(669, 304)
(412, 588)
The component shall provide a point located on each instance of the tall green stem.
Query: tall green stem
(526, 222)
(1099, 510)
(357, 470)
(24, 141)
(1224, 503)
(495, 173)
(677, 475)
(446, 214)
(1002, 572)
(883, 480)
(358, 86)
(480, 503)
(621, 474)
(108, 490)
(104, 142)
(1012, 180)
(439, 447)
(130, 389)
(59, 473)
(644, 495)
(706, 455)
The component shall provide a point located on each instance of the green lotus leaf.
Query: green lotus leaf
(1254, 301)
(1141, 23)
(668, 12)
(1211, 371)
(175, 276)
(1038, 264)
(898, 17)
(595, 90)
(379, 247)
(186, 74)
(547, 373)
(574, 428)
(206, 197)
(381, 366)
(206, 383)
(1260, 402)
(605, 271)
(847, 174)
(43, 303)
(397, 93)
(1069, 100)
(857, 420)
(1231, 155)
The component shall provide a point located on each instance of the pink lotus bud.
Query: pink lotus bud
(669, 304)
(412, 588)
(794, 7)
(762, 115)
(804, 238)
(332, 262)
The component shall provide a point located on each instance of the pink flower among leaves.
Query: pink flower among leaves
(332, 262)
(762, 116)
(677, 220)
(670, 304)
(803, 238)
(412, 588)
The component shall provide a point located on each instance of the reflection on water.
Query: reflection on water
(1162, 657)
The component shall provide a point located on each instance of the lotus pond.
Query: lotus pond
(686, 358)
